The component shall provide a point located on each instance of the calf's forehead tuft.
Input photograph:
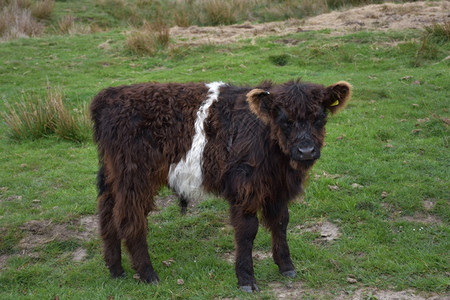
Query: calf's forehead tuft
(299, 99)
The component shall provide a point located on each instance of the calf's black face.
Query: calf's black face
(297, 114)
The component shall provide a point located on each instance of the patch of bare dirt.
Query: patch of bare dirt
(79, 255)
(328, 231)
(39, 233)
(294, 290)
(371, 17)
(422, 218)
(166, 201)
(297, 290)
(390, 295)
(429, 204)
(3, 259)
(163, 202)
(257, 255)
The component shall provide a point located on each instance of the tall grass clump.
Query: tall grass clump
(218, 12)
(349, 3)
(123, 10)
(185, 13)
(433, 38)
(67, 25)
(17, 21)
(42, 10)
(149, 38)
(439, 33)
(34, 117)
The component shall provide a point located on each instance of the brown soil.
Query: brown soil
(414, 15)
(38, 233)
(328, 231)
(257, 255)
(297, 290)
(422, 219)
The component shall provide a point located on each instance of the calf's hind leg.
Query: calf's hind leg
(134, 200)
(245, 229)
(183, 204)
(138, 249)
(108, 231)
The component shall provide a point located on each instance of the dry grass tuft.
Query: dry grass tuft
(16, 21)
(141, 42)
(313, 7)
(67, 25)
(149, 38)
(42, 10)
(123, 10)
(440, 33)
(433, 36)
(161, 32)
(34, 117)
(218, 12)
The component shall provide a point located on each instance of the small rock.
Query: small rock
(428, 205)
(105, 45)
(79, 255)
(351, 280)
(168, 262)
(420, 121)
(333, 187)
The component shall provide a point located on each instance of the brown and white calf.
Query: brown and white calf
(252, 146)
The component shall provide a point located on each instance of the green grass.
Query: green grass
(378, 142)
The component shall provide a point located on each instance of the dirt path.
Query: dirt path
(371, 17)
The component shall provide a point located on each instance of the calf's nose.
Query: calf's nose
(308, 152)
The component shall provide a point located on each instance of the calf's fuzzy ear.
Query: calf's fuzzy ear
(259, 102)
(337, 96)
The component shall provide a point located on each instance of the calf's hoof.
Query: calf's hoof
(183, 210)
(119, 276)
(148, 278)
(290, 274)
(117, 272)
(249, 288)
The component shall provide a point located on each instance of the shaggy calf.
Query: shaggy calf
(252, 146)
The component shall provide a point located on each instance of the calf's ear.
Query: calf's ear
(337, 96)
(259, 102)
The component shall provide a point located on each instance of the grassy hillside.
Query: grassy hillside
(382, 180)
(19, 18)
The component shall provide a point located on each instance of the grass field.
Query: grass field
(382, 182)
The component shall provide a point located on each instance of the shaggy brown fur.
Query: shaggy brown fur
(260, 143)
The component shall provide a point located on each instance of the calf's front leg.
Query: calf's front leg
(245, 229)
(277, 218)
